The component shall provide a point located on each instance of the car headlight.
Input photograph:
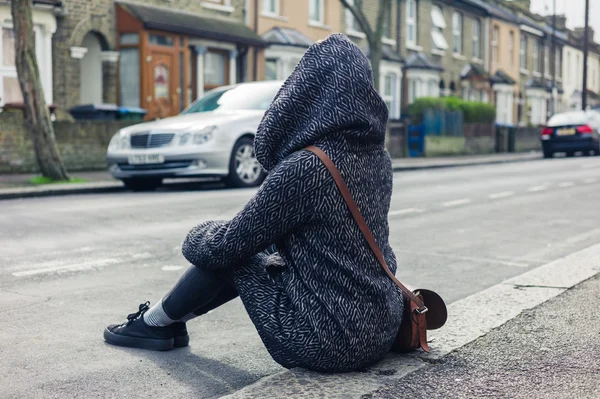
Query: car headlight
(199, 137)
(118, 142)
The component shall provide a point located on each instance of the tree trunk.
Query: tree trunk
(375, 58)
(37, 115)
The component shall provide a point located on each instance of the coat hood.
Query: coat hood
(329, 96)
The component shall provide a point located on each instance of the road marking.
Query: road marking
(457, 202)
(171, 268)
(70, 268)
(537, 188)
(405, 211)
(466, 258)
(566, 184)
(583, 236)
(591, 180)
(503, 194)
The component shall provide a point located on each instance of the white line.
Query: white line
(504, 301)
(503, 194)
(591, 180)
(457, 202)
(537, 188)
(405, 211)
(68, 268)
(566, 184)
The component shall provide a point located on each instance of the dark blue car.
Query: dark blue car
(572, 132)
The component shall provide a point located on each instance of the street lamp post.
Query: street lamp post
(586, 44)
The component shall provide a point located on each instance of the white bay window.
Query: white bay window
(44, 27)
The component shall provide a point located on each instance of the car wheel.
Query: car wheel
(548, 154)
(570, 154)
(142, 184)
(244, 169)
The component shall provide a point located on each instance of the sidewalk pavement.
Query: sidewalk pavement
(552, 351)
(18, 186)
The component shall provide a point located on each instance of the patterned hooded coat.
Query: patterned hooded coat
(322, 302)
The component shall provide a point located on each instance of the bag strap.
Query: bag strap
(362, 224)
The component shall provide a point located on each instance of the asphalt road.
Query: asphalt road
(71, 265)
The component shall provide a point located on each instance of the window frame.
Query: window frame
(476, 26)
(495, 44)
(412, 22)
(352, 26)
(546, 59)
(511, 48)
(523, 52)
(267, 11)
(536, 56)
(318, 5)
(457, 32)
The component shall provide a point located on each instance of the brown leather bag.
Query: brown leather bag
(423, 309)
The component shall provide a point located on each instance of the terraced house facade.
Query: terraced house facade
(161, 55)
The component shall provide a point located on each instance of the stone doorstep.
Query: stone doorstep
(517, 294)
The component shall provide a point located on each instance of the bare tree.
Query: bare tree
(37, 115)
(373, 34)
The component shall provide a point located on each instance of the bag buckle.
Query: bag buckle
(422, 310)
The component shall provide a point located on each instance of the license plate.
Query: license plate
(566, 132)
(145, 159)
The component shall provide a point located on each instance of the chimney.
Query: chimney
(579, 33)
(561, 22)
(526, 4)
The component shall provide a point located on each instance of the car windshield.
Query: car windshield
(256, 97)
(568, 118)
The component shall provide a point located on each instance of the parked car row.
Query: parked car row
(213, 137)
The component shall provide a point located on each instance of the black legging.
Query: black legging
(198, 292)
(201, 290)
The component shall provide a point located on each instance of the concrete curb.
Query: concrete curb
(442, 165)
(110, 186)
(59, 190)
(468, 319)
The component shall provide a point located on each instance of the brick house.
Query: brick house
(289, 27)
(157, 54)
(444, 44)
(45, 15)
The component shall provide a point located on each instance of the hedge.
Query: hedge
(473, 112)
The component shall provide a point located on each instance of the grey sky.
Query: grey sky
(574, 10)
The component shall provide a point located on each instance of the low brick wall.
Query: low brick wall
(527, 139)
(82, 144)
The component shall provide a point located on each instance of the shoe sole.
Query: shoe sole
(140, 343)
(180, 342)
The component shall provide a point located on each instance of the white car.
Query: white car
(213, 137)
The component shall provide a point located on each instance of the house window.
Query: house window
(352, 24)
(476, 38)
(558, 63)
(215, 69)
(547, 60)
(270, 7)
(457, 28)
(511, 48)
(129, 65)
(389, 94)
(413, 90)
(387, 22)
(536, 56)
(317, 12)
(523, 52)
(495, 44)
(10, 90)
(437, 31)
(271, 69)
(412, 22)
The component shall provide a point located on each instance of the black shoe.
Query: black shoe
(180, 335)
(135, 333)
